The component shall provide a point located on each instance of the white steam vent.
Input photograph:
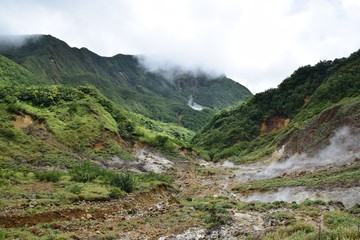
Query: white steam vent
(194, 105)
(343, 149)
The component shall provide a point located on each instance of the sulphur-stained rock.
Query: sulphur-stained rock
(190, 234)
(86, 216)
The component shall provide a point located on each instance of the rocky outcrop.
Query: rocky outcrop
(274, 123)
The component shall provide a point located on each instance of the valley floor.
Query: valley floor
(205, 201)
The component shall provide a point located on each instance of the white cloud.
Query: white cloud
(257, 43)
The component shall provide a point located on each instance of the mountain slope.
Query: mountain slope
(52, 125)
(125, 81)
(269, 119)
(12, 73)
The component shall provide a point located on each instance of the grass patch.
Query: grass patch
(48, 175)
(214, 210)
(338, 218)
(283, 215)
(296, 230)
(336, 228)
(146, 180)
(34, 233)
(336, 224)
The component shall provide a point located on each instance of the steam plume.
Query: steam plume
(344, 148)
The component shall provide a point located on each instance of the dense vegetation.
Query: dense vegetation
(39, 123)
(299, 98)
(125, 81)
(11, 73)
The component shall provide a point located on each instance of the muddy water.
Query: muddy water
(348, 196)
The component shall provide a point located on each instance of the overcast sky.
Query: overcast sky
(255, 42)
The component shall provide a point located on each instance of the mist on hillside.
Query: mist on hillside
(171, 71)
(16, 41)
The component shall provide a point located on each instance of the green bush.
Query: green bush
(48, 176)
(215, 217)
(76, 189)
(8, 133)
(49, 95)
(282, 215)
(85, 172)
(14, 108)
(155, 177)
(116, 193)
(309, 202)
(124, 181)
(215, 210)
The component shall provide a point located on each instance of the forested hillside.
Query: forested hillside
(267, 120)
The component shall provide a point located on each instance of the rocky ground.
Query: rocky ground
(199, 204)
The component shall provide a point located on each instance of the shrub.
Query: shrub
(281, 215)
(309, 202)
(155, 177)
(116, 193)
(124, 181)
(14, 108)
(85, 172)
(8, 133)
(48, 176)
(76, 189)
(215, 217)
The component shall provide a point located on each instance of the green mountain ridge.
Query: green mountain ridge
(125, 81)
